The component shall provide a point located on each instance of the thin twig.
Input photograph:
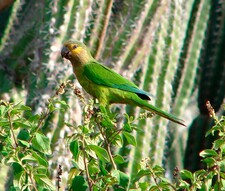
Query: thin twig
(30, 175)
(114, 135)
(11, 128)
(32, 181)
(89, 180)
(111, 157)
(43, 117)
(108, 146)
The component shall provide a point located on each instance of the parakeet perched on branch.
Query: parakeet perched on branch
(106, 85)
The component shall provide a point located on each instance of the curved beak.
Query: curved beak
(65, 53)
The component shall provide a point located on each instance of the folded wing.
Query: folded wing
(104, 76)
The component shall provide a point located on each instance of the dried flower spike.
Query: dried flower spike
(61, 89)
(210, 109)
(78, 93)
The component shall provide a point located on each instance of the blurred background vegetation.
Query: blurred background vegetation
(173, 49)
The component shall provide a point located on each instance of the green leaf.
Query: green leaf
(3, 110)
(212, 130)
(185, 174)
(118, 141)
(164, 182)
(62, 103)
(141, 174)
(158, 170)
(40, 159)
(51, 107)
(80, 163)
(209, 161)
(222, 148)
(218, 143)
(106, 122)
(127, 127)
(154, 188)
(79, 183)
(23, 135)
(24, 108)
(118, 159)
(72, 173)
(200, 173)
(183, 184)
(24, 143)
(17, 168)
(74, 148)
(28, 158)
(41, 143)
(123, 180)
(130, 138)
(222, 174)
(207, 185)
(19, 179)
(208, 153)
(19, 109)
(44, 181)
(12, 160)
(100, 152)
(68, 124)
(143, 186)
(22, 124)
(40, 169)
(91, 153)
(102, 168)
(4, 122)
(222, 165)
(34, 118)
(93, 168)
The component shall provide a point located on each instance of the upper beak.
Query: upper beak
(65, 53)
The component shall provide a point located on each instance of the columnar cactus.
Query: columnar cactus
(211, 86)
(157, 44)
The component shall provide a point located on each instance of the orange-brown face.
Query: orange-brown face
(76, 52)
(71, 49)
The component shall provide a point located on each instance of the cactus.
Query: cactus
(211, 85)
(189, 64)
(157, 44)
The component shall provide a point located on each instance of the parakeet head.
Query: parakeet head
(76, 52)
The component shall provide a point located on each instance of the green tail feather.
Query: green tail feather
(143, 104)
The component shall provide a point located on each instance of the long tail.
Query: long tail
(145, 105)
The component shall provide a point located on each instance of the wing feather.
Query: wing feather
(104, 76)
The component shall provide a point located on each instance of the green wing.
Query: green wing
(102, 75)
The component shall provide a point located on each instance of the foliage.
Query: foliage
(93, 146)
(172, 49)
(24, 147)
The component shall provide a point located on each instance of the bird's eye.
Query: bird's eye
(74, 46)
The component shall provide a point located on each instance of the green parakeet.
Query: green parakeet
(104, 84)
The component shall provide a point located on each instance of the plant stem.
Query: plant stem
(43, 117)
(108, 146)
(33, 183)
(11, 128)
(30, 175)
(111, 157)
(114, 135)
(86, 166)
